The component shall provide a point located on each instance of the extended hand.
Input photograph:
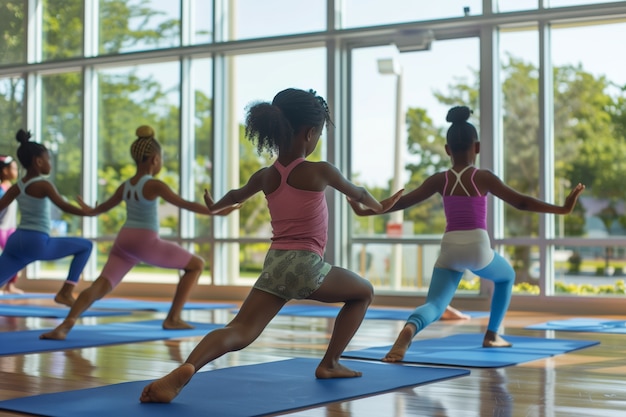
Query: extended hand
(359, 209)
(86, 207)
(386, 204)
(572, 198)
(208, 200)
(389, 202)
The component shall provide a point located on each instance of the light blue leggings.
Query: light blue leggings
(27, 246)
(445, 282)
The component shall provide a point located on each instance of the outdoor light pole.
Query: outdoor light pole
(390, 66)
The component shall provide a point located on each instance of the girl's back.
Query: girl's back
(464, 205)
(141, 213)
(34, 210)
(299, 216)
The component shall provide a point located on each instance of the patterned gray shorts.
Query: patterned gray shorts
(292, 274)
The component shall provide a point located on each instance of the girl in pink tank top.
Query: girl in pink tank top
(290, 126)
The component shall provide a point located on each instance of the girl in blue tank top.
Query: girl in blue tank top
(31, 241)
(139, 240)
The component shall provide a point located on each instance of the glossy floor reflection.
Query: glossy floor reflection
(589, 382)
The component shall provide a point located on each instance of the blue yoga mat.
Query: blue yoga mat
(26, 295)
(81, 336)
(373, 313)
(590, 325)
(21, 310)
(240, 391)
(466, 350)
(130, 304)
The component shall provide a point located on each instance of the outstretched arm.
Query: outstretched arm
(113, 201)
(157, 188)
(208, 201)
(49, 190)
(357, 194)
(235, 198)
(429, 187)
(527, 203)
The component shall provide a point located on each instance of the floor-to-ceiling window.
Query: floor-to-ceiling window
(399, 103)
(83, 75)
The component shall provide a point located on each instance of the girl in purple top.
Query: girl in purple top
(294, 268)
(465, 244)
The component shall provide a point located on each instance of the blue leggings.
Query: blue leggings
(27, 246)
(445, 282)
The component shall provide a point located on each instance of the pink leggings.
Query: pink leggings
(4, 236)
(134, 245)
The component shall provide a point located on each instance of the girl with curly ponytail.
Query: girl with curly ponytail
(294, 268)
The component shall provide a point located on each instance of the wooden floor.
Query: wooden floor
(589, 382)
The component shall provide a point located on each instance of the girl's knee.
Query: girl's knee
(195, 263)
(87, 244)
(367, 292)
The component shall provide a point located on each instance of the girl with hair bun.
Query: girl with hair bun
(294, 267)
(465, 245)
(31, 240)
(138, 240)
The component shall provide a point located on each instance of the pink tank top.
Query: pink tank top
(464, 212)
(299, 217)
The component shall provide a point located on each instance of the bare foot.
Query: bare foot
(10, 288)
(494, 340)
(336, 371)
(60, 332)
(171, 324)
(401, 345)
(64, 299)
(164, 390)
(452, 313)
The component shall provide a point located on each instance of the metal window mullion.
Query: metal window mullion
(34, 30)
(491, 137)
(188, 22)
(337, 152)
(90, 157)
(187, 145)
(91, 27)
(546, 157)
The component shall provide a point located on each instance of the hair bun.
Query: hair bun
(22, 136)
(144, 131)
(458, 114)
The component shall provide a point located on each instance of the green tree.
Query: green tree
(133, 25)
(13, 31)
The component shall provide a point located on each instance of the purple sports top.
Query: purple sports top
(464, 212)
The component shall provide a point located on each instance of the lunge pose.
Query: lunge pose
(465, 244)
(31, 240)
(294, 267)
(138, 240)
